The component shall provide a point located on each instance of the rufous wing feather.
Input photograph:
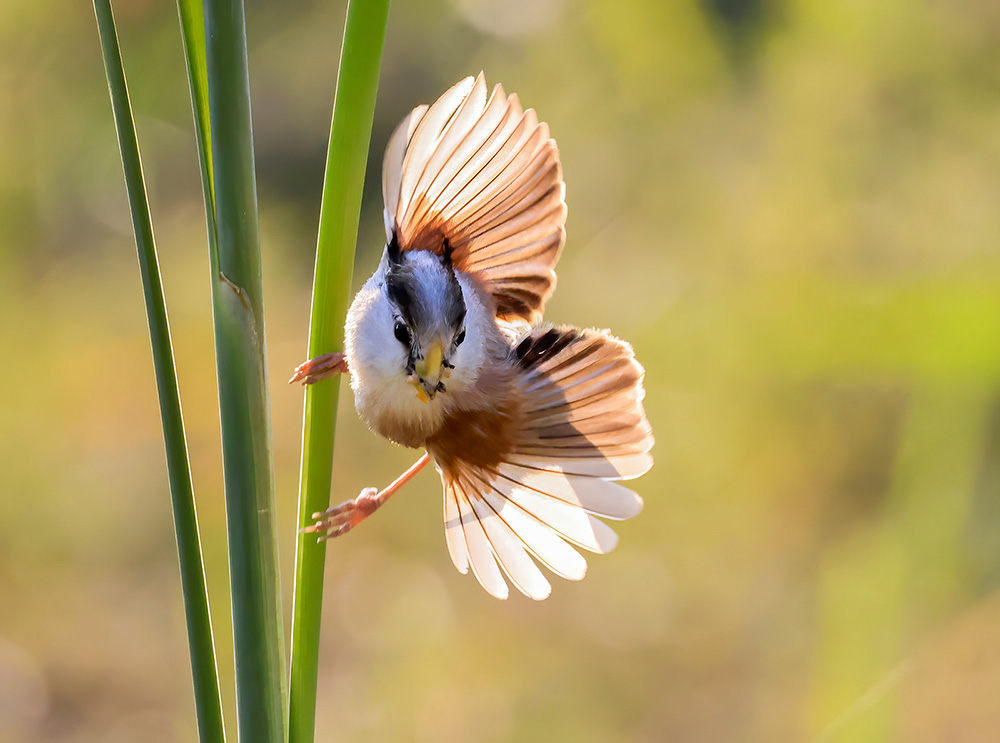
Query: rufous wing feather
(483, 175)
(576, 427)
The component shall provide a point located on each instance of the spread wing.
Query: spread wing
(484, 175)
(544, 472)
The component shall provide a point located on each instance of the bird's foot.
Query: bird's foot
(319, 368)
(339, 520)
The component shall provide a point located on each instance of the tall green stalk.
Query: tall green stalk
(350, 133)
(192, 18)
(238, 308)
(208, 703)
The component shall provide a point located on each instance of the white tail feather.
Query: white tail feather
(510, 553)
(581, 426)
(600, 497)
(545, 544)
(481, 556)
(568, 520)
(454, 531)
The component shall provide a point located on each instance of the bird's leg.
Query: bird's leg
(341, 519)
(321, 367)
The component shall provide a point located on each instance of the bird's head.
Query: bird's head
(428, 312)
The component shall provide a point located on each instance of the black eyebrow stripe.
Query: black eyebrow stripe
(404, 292)
(400, 295)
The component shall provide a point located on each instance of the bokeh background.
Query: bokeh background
(790, 207)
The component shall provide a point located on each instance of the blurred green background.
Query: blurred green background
(790, 207)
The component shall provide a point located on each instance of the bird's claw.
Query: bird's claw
(340, 519)
(319, 368)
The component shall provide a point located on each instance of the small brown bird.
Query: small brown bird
(528, 424)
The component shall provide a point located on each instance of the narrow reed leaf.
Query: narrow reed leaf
(192, 18)
(238, 308)
(208, 703)
(350, 132)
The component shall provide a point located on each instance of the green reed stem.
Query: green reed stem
(208, 702)
(350, 133)
(238, 308)
(192, 19)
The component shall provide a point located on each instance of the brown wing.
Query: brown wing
(529, 479)
(483, 175)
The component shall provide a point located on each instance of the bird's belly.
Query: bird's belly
(399, 415)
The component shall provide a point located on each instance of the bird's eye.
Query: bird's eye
(459, 338)
(402, 333)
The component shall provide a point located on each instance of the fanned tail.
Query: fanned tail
(483, 175)
(578, 426)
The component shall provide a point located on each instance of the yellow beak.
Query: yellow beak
(429, 367)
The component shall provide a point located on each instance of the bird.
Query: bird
(530, 425)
